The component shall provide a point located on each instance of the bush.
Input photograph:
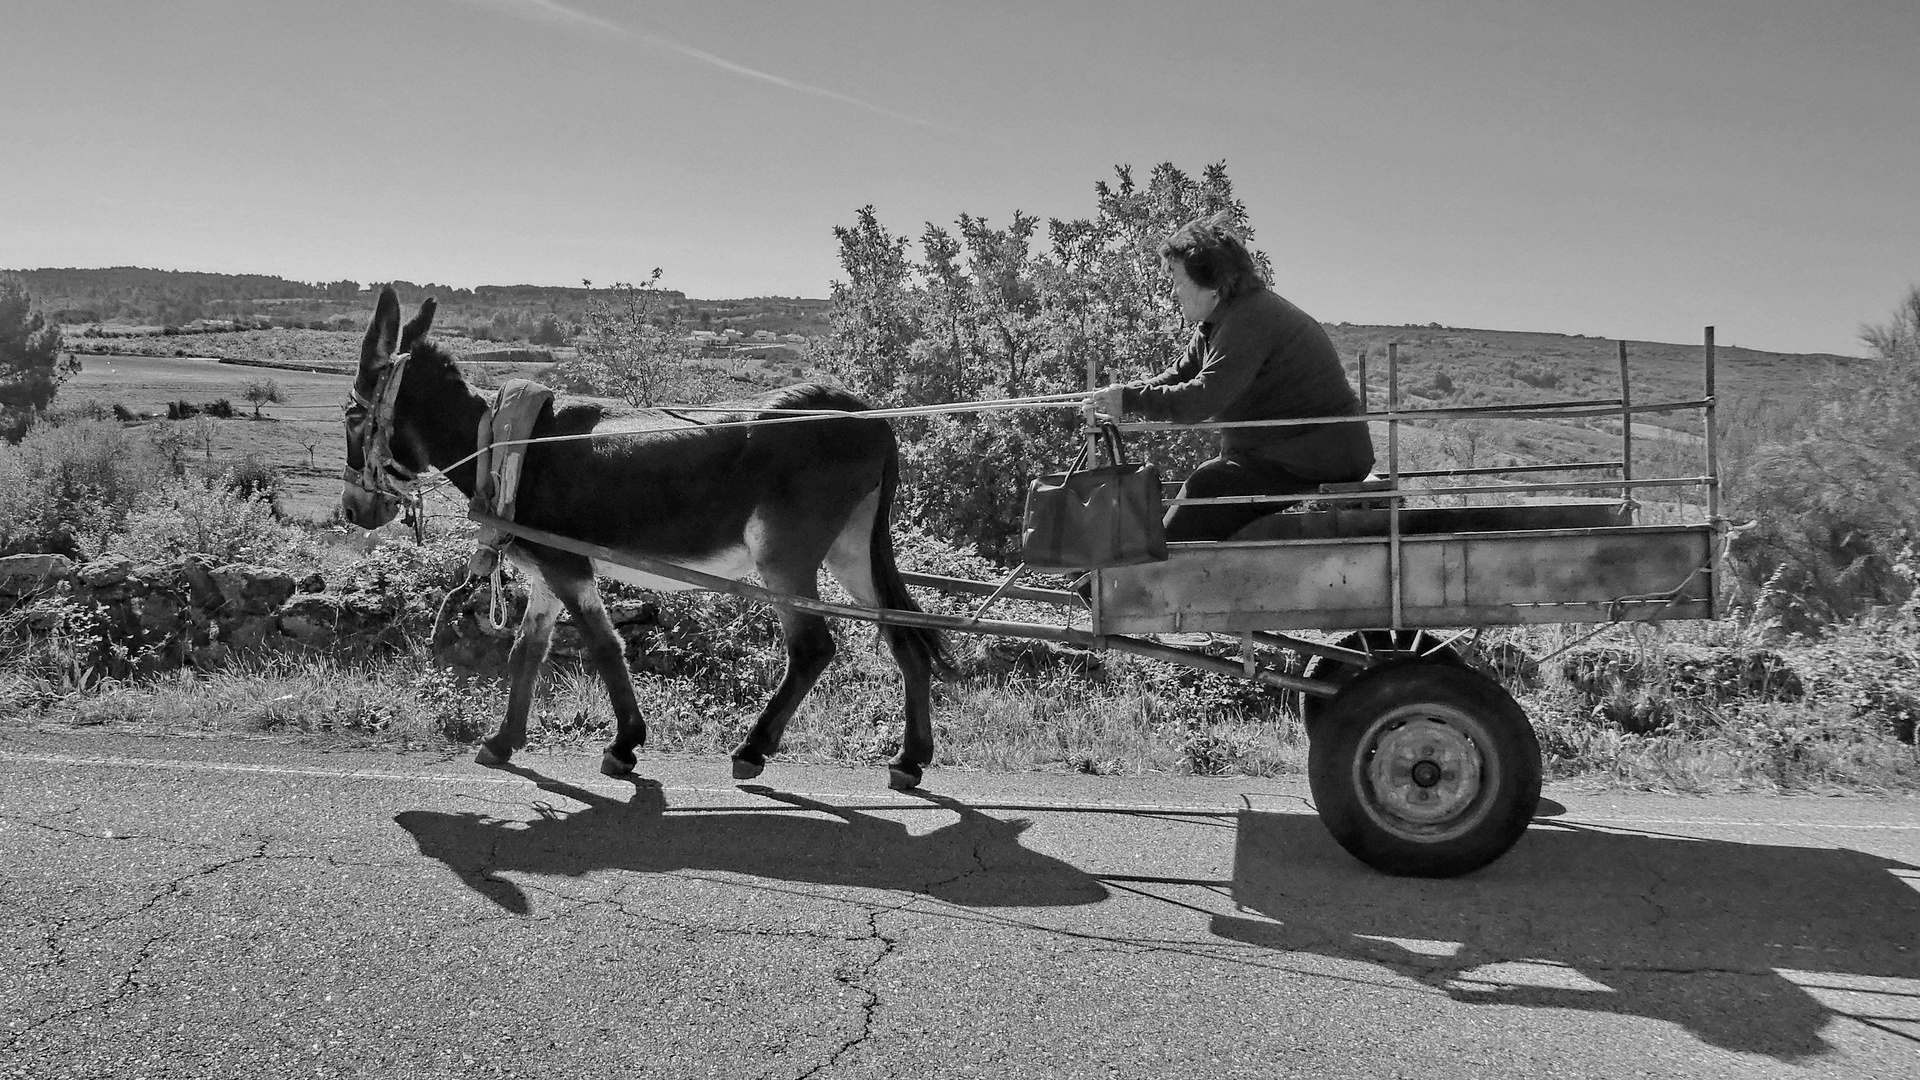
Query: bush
(254, 477)
(1832, 487)
(201, 515)
(66, 485)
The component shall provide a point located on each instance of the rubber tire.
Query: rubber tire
(1385, 645)
(1483, 721)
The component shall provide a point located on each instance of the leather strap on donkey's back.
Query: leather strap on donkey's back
(501, 440)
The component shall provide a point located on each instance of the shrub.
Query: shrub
(65, 485)
(1833, 489)
(253, 477)
(201, 515)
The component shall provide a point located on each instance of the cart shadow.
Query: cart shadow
(976, 860)
(1694, 932)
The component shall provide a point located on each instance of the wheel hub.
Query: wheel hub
(1424, 772)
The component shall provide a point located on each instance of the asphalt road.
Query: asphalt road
(193, 907)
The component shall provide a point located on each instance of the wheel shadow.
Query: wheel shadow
(1694, 932)
(976, 860)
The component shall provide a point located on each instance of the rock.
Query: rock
(252, 590)
(106, 572)
(198, 576)
(250, 634)
(345, 622)
(31, 575)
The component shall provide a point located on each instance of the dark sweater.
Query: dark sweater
(1260, 358)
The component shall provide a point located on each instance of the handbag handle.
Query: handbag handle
(1107, 435)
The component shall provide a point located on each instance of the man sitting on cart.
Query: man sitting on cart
(1254, 356)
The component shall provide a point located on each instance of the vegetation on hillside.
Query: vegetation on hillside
(121, 300)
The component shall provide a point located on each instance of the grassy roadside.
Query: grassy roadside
(1123, 717)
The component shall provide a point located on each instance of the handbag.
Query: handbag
(1091, 518)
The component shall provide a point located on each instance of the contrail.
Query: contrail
(550, 11)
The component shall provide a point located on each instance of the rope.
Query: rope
(781, 416)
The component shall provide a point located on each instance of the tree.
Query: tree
(629, 339)
(32, 366)
(986, 312)
(1898, 340)
(260, 392)
(548, 332)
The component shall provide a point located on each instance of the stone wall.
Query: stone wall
(136, 619)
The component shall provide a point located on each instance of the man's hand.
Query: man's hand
(1108, 401)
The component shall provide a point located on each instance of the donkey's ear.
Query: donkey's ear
(383, 334)
(418, 328)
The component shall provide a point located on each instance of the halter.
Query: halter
(380, 476)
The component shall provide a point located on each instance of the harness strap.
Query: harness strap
(377, 455)
(501, 453)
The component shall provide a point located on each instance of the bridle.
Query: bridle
(379, 477)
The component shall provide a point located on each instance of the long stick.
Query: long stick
(712, 583)
(1626, 427)
(1393, 479)
(1713, 484)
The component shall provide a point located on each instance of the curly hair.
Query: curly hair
(1214, 256)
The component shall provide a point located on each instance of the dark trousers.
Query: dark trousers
(1224, 476)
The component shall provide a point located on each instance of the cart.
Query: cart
(1419, 763)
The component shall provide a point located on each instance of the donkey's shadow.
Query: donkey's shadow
(976, 860)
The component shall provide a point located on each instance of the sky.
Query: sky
(1623, 169)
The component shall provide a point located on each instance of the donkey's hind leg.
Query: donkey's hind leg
(530, 643)
(810, 648)
(853, 565)
(582, 597)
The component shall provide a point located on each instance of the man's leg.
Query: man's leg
(1224, 477)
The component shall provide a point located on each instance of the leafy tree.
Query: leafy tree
(629, 340)
(31, 364)
(1832, 486)
(986, 312)
(548, 332)
(261, 392)
(1898, 339)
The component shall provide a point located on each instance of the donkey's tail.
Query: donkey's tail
(924, 642)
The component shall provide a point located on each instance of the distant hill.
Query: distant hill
(136, 296)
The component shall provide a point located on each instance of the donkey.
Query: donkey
(778, 499)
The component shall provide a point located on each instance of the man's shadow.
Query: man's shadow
(1694, 932)
(975, 860)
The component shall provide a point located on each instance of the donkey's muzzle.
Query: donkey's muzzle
(364, 507)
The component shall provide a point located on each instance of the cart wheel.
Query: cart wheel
(1425, 768)
(1384, 645)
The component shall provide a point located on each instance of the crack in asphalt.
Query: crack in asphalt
(126, 984)
(67, 830)
(856, 980)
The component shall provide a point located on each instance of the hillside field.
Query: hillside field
(1438, 368)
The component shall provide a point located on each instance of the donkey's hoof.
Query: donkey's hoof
(614, 763)
(903, 777)
(490, 757)
(745, 769)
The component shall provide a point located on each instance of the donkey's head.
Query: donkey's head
(380, 461)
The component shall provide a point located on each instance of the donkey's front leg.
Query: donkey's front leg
(530, 643)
